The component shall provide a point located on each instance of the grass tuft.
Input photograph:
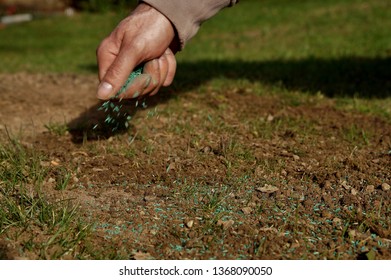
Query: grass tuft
(46, 228)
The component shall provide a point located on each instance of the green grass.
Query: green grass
(55, 44)
(46, 229)
(283, 29)
(56, 128)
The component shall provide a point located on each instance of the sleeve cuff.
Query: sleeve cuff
(188, 15)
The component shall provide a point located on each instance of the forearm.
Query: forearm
(187, 15)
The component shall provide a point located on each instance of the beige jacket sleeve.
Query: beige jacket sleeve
(188, 15)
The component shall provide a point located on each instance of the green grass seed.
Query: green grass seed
(113, 110)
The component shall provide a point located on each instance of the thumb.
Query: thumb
(116, 76)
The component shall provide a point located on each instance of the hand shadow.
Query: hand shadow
(95, 123)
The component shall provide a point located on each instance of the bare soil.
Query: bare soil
(206, 174)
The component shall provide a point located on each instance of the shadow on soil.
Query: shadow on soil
(349, 76)
(91, 124)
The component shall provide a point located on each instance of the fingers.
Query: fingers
(114, 69)
(157, 73)
(162, 72)
(171, 61)
(136, 88)
(157, 68)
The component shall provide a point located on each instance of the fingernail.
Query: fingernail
(104, 90)
(136, 94)
(147, 82)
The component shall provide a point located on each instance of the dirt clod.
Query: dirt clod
(225, 224)
(370, 189)
(385, 187)
(267, 189)
(247, 210)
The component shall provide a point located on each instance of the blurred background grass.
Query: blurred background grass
(338, 48)
(253, 30)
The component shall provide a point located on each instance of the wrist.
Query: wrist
(165, 22)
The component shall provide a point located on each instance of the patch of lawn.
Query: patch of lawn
(55, 44)
(47, 228)
(260, 149)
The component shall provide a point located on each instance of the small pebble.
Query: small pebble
(51, 180)
(327, 184)
(270, 118)
(44, 164)
(359, 213)
(370, 189)
(385, 187)
(337, 221)
(345, 185)
(225, 224)
(149, 198)
(352, 233)
(96, 169)
(190, 224)
(326, 214)
(247, 210)
(54, 163)
(267, 189)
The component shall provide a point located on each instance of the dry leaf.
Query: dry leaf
(142, 256)
(267, 189)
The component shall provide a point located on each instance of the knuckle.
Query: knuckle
(102, 46)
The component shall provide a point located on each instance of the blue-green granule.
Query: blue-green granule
(114, 118)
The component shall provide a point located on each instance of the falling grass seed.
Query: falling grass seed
(113, 110)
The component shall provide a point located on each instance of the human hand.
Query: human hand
(144, 36)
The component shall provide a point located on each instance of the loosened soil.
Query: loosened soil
(206, 173)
